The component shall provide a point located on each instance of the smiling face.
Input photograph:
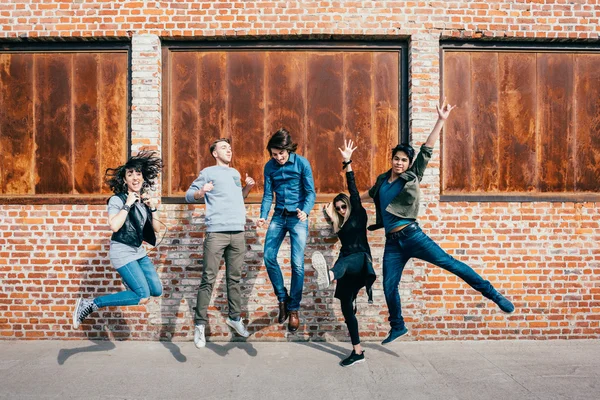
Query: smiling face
(400, 162)
(341, 208)
(134, 180)
(280, 155)
(222, 152)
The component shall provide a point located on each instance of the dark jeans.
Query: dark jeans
(400, 248)
(279, 226)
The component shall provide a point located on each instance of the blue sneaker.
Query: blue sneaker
(394, 334)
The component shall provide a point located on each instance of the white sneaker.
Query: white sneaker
(320, 266)
(238, 326)
(199, 338)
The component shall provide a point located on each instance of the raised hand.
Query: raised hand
(444, 110)
(347, 150)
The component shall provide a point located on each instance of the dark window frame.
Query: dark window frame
(513, 46)
(277, 44)
(71, 46)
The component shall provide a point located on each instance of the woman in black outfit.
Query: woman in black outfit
(354, 269)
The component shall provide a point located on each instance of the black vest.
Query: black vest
(132, 232)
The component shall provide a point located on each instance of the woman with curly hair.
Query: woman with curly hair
(131, 214)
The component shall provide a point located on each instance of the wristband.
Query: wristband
(153, 209)
(126, 207)
(345, 163)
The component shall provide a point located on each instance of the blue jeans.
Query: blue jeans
(141, 280)
(417, 244)
(279, 226)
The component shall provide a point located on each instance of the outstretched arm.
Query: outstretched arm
(346, 156)
(443, 113)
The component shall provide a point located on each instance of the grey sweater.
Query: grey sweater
(225, 210)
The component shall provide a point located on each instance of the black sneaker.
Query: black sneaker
(394, 334)
(353, 359)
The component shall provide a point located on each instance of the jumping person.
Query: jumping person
(220, 187)
(396, 195)
(131, 217)
(353, 269)
(289, 176)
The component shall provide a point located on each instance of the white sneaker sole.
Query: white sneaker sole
(354, 363)
(320, 266)
(75, 319)
(232, 326)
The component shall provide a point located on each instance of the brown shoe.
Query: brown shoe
(283, 312)
(294, 322)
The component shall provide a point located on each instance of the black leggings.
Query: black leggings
(351, 270)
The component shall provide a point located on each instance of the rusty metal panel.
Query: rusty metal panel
(358, 113)
(517, 113)
(246, 110)
(113, 110)
(16, 124)
(285, 80)
(86, 134)
(457, 143)
(385, 109)
(325, 109)
(53, 118)
(185, 152)
(484, 122)
(586, 163)
(555, 117)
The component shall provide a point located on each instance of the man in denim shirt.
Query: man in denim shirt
(290, 177)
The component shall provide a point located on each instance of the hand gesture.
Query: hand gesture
(132, 197)
(249, 181)
(347, 150)
(208, 187)
(301, 215)
(260, 222)
(151, 202)
(444, 110)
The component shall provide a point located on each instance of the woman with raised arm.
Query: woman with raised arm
(354, 269)
(131, 217)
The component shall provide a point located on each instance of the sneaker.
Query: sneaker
(199, 338)
(394, 334)
(501, 301)
(320, 266)
(83, 308)
(238, 326)
(353, 359)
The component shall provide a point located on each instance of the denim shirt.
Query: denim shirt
(406, 204)
(292, 183)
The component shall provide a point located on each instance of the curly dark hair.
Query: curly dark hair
(145, 162)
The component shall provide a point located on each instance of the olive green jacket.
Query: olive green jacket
(406, 204)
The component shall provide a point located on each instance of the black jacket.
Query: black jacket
(132, 232)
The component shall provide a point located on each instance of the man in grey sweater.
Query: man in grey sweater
(220, 188)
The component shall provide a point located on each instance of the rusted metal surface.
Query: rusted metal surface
(16, 124)
(321, 97)
(533, 119)
(64, 121)
(456, 145)
(586, 163)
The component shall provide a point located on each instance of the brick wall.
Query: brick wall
(545, 256)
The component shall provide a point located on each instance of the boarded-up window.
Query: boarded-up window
(63, 121)
(321, 96)
(527, 122)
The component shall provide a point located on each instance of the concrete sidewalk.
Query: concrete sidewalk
(237, 370)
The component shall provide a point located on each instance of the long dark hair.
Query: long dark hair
(145, 162)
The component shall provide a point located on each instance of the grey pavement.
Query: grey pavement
(300, 370)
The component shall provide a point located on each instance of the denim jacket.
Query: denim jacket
(406, 204)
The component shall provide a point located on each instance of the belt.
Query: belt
(287, 213)
(403, 233)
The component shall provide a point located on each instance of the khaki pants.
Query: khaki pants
(217, 244)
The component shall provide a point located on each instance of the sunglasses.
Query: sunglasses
(343, 207)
